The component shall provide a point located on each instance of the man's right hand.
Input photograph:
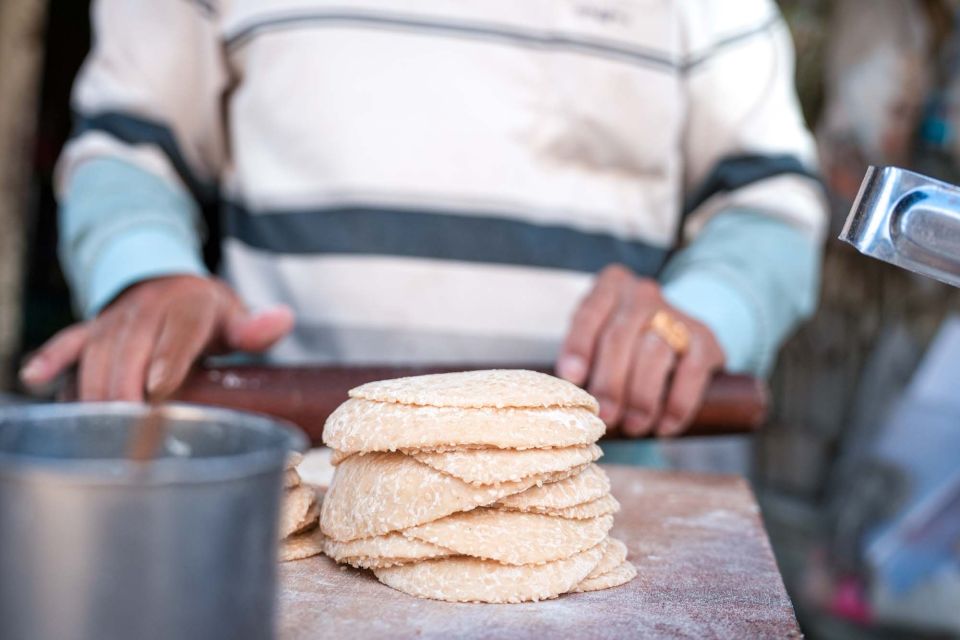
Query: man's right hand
(145, 341)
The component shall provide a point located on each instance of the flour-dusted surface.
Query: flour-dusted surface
(704, 564)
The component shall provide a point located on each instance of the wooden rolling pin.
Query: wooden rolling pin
(307, 395)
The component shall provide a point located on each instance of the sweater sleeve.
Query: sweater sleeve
(119, 225)
(147, 148)
(755, 213)
(751, 299)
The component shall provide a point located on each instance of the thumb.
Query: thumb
(259, 331)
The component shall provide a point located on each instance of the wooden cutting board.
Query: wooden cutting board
(705, 571)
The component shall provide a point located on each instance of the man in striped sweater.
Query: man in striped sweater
(440, 182)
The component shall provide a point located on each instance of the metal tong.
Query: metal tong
(909, 220)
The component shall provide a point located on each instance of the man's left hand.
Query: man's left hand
(642, 382)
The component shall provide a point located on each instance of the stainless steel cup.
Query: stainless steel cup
(94, 546)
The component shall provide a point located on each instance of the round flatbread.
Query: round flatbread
(301, 546)
(603, 506)
(461, 579)
(298, 510)
(310, 521)
(622, 574)
(394, 546)
(293, 459)
(363, 425)
(590, 484)
(363, 562)
(512, 537)
(316, 468)
(291, 478)
(336, 457)
(614, 552)
(378, 493)
(469, 389)
(490, 466)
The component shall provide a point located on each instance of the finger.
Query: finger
(135, 343)
(576, 355)
(56, 355)
(654, 361)
(259, 331)
(96, 361)
(610, 372)
(690, 380)
(184, 334)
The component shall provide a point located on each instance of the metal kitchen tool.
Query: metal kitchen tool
(96, 546)
(908, 220)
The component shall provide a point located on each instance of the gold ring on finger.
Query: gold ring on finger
(670, 330)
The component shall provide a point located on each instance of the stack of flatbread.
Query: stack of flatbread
(300, 535)
(473, 487)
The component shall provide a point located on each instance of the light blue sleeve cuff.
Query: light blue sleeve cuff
(751, 279)
(119, 225)
(136, 255)
(712, 300)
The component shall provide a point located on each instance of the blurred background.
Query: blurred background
(858, 472)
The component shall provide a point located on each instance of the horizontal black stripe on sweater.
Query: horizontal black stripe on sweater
(442, 235)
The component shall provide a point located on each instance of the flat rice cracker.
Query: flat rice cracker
(311, 520)
(363, 425)
(291, 478)
(298, 510)
(622, 574)
(302, 545)
(490, 466)
(603, 506)
(590, 484)
(461, 579)
(614, 552)
(336, 457)
(364, 562)
(469, 389)
(393, 546)
(378, 493)
(293, 459)
(512, 537)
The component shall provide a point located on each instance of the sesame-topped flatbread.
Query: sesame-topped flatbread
(298, 510)
(498, 388)
(293, 459)
(621, 574)
(463, 579)
(490, 466)
(378, 493)
(364, 425)
(614, 553)
(291, 478)
(303, 545)
(604, 506)
(512, 537)
(588, 485)
(394, 547)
